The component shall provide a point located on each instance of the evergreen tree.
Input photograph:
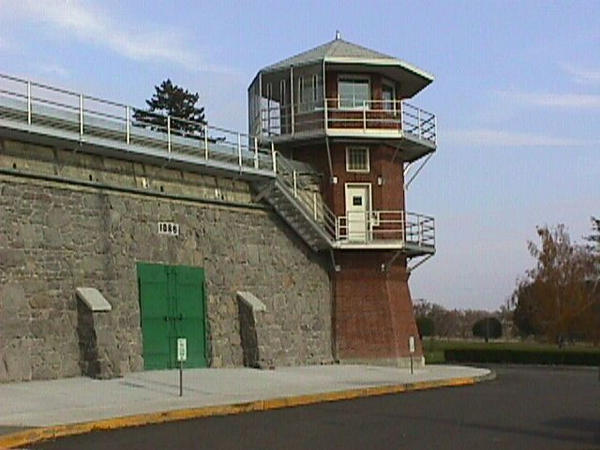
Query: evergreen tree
(172, 100)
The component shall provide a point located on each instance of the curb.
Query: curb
(36, 435)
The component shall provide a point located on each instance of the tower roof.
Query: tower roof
(334, 48)
(344, 52)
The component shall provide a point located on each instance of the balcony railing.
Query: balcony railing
(63, 114)
(373, 116)
(372, 228)
(86, 119)
(386, 227)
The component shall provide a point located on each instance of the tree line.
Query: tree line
(435, 320)
(557, 300)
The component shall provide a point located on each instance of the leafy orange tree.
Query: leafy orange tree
(594, 281)
(558, 298)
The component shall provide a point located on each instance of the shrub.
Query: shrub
(488, 328)
(425, 326)
(525, 356)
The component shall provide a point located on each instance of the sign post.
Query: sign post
(181, 357)
(411, 349)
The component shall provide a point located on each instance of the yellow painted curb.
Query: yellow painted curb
(35, 435)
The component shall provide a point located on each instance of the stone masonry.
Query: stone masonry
(66, 220)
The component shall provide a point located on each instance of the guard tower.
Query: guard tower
(341, 111)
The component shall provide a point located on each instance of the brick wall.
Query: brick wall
(373, 316)
(387, 196)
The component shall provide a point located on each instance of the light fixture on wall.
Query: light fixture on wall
(379, 180)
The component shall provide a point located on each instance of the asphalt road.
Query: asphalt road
(525, 407)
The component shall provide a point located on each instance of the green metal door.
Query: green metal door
(189, 310)
(172, 306)
(155, 307)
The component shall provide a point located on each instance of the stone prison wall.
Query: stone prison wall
(70, 219)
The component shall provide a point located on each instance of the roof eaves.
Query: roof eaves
(379, 62)
(276, 68)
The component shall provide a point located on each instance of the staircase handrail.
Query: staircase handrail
(312, 205)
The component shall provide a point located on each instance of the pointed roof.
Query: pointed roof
(344, 52)
(335, 48)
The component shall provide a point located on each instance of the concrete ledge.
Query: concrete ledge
(93, 299)
(252, 301)
(36, 435)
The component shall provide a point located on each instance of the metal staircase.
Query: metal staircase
(289, 210)
(300, 205)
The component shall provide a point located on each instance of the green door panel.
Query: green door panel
(172, 303)
(189, 306)
(155, 311)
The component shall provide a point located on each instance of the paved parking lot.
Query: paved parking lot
(525, 407)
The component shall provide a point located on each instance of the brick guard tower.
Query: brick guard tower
(352, 145)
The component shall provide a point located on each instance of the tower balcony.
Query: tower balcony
(410, 127)
(412, 232)
(305, 210)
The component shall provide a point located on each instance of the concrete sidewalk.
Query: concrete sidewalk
(52, 408)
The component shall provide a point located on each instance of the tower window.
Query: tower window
(300, 90)
(354, 93)
(269, 91)
(357, 159)
(282, 93)
(388, 95)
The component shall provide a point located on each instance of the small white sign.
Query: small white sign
(181, 349)
(168, 228)
(411, 344)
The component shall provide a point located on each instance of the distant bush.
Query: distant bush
(488, 328)
(425, 326)
(525, 356)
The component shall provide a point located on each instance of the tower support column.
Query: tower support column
(373, 317)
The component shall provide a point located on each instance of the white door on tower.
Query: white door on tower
(357, 212)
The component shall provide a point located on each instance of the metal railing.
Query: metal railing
(382, 226)
(367, 116)
(306, 196)
(72, 115)
(372, 227)
(91, 119)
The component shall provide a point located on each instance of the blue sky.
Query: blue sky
(517, 95)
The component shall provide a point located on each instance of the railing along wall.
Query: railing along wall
(87, 117)
(90, 118)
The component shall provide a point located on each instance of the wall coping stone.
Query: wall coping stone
(252, 301)
(93, 299)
